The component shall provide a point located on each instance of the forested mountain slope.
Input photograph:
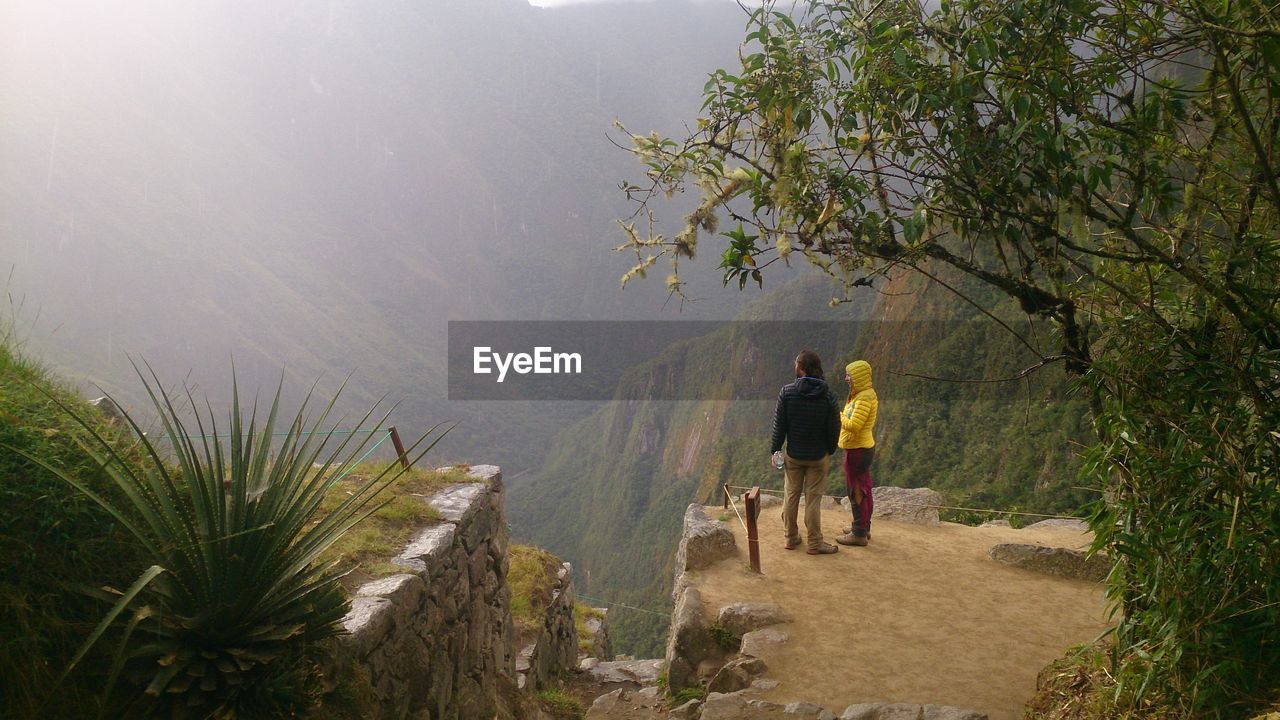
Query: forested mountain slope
(611, 495)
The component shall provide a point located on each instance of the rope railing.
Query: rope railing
(773, 491)
(610, 605)
(366, 454)
(752, 502)
(224, 436)
(729, 500)
(389, 433)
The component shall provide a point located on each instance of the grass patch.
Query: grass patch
(366, 550)
(581, 614)
(687, 694)
(1081, 686)
(53, 540)
(725, 639)
(532, 577)
(561, 705)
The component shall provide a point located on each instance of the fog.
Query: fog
(320, 185)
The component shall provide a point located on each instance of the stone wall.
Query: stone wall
(599, 642)
(437, 640)
(555, 651)
(703, 542)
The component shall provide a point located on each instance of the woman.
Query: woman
(857, 439)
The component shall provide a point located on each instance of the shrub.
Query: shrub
(52, 543)
(221, 623)
(687, 694)
(724, 638)
(561, 705)
(531, 575)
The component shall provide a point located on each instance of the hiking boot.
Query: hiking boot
(823, 549)
(850, 538)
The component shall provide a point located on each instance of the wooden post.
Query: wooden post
(753, 535)
(395, 440)
(726, 496)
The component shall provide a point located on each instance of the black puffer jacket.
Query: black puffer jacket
(807, 418)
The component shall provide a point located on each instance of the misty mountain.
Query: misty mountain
(320, 185)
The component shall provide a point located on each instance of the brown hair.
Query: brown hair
(810, 364)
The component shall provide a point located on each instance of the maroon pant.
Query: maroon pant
(857, 481)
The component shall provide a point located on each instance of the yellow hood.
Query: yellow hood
(860, 373)
(858, 421)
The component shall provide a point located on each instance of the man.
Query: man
(807, 419)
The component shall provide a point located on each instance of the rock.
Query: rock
(689, 642)
(608, 705)
(404, 590)
(756, 642)
(808, 710)
(109, 409)
(763, 684)
(430, 545)
(768, 500)
(1065, 523)
(598, 640)
(908, 711)
(995, 523)
(881, 711)
(623, 704)
(641, 672)
(947, 712)
(368, 622)
(909, 505)
(457, 503)
(1053, 561)
(733, 706)
(736, 675)
(588, 663)
(703, 542)
(832, 503)
(741, 618)
(522, 658)
(687, 711)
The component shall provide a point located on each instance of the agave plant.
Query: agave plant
(229, 516)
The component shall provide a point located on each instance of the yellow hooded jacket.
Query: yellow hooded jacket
(858, 421)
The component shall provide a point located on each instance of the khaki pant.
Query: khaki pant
(808, 477)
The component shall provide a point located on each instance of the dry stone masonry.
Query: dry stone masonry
(599, 643)
(437, 640)
(555, 650)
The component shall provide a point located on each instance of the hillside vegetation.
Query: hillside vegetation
(612, 494)
(56, 545)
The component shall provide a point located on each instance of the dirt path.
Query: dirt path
(920, 615)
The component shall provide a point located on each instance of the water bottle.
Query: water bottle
(777, 460)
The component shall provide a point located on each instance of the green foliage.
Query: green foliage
(222, 622)
(1127, 195)
(616, 484)
(561, 705)
(1081, 687)
(581, 614)
(697, 692)
(531, 575)
(54, 544)
(365, 549)
(724, 638)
